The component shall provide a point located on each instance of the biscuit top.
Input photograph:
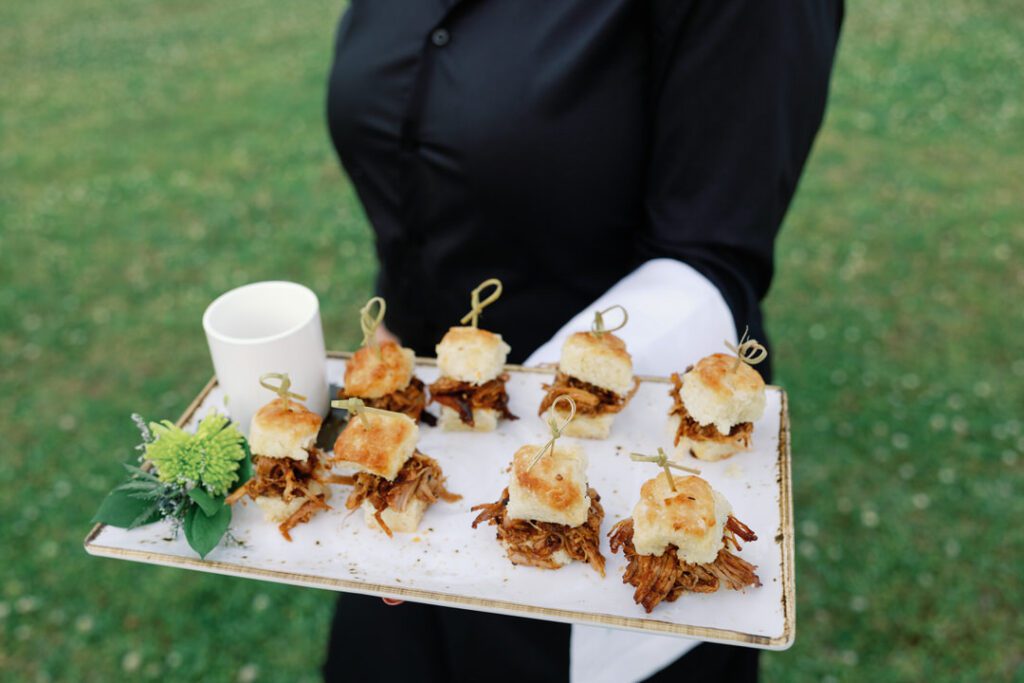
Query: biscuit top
(469, 354)
(372, 374)
(554, 490)
(602, 361)
(284, 429)
(692, 518)
(380, 445)
(723, 391)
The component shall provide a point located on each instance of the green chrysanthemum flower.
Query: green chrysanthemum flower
(209, 458)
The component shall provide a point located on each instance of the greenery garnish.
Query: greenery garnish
(208, 458)
(184, 478)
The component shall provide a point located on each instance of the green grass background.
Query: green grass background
(155, 154)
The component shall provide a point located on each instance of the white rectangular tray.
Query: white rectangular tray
(449, 563)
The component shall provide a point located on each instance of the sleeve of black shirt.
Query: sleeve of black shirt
(738, 92)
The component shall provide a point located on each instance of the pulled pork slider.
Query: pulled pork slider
(715, 404)
(383, 378)
(288, 482)
(395, 483)
(597, 373)
(471, 389)
(678, 540)
(547, 516)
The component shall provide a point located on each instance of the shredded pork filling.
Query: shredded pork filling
(411, 401)
(666, 577)
(692, 429)
(420, 478)
(534, 543)
(590, 399)
(463, 397)
(288, 480)
(303, 515)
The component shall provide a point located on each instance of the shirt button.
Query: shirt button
(440, 37)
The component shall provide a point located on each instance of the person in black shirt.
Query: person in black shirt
(559, 146)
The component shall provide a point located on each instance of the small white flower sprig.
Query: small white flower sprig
(281, 389)
(356, 407)
(597, 327)
(370, 323)
(556, 429)
(477, 306)
(749, 351)
(662, 461)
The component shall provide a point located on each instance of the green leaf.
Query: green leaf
(147, 516)
(208, 503)
(136, 485)
(139, 473)
(245, 469)
(145, 495)
(204, 533)
(122, 510)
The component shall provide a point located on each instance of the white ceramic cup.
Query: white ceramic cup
(267, 327)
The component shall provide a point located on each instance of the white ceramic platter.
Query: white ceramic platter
(449, 563)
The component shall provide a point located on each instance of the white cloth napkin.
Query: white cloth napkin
(676, 317)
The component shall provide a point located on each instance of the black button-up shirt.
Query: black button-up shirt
(557, 144)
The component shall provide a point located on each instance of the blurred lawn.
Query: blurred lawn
(156, 154)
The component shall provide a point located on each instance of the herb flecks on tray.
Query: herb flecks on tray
(183, 478)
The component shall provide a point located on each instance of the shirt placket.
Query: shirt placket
(437, 40)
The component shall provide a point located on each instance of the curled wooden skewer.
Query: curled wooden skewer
(597, 327)
(556, 429)
(280, 389)
(356, 406)
(662, 461)
(370, 323)
(477, 306)
(749, 351)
